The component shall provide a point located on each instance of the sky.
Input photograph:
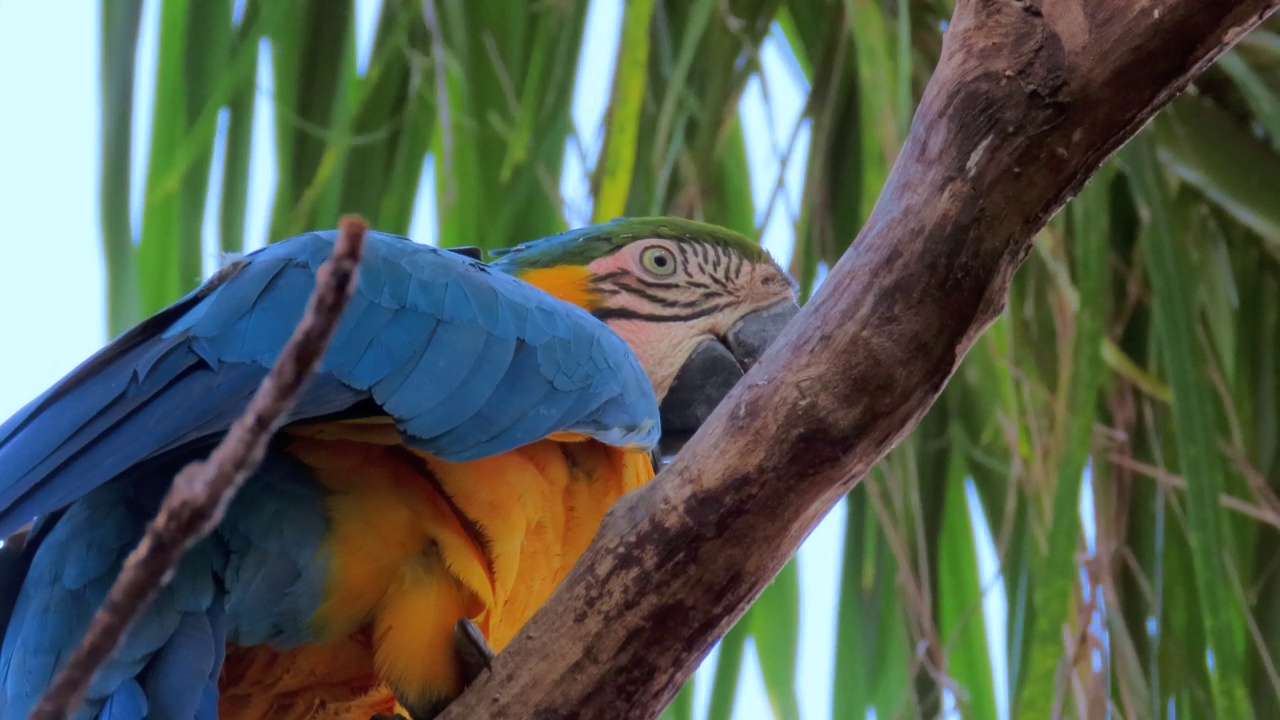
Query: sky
(52, 314)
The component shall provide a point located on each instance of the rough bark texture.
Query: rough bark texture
(1028, 100)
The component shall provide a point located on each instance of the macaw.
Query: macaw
(452, 457)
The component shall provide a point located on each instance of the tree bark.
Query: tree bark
(1029, 98)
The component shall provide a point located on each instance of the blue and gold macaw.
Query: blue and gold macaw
(454, 454)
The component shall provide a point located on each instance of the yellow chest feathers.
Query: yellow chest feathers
(416, 543)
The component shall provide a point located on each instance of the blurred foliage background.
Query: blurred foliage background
(1110, 447)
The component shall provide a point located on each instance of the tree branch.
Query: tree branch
(1029, 98)
(201, 492)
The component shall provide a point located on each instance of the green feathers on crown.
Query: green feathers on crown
(583, 245)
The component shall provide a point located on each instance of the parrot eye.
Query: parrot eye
(658, 260)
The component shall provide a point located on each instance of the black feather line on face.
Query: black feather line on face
(716, 279)
(625, 281)
(684, 253)
(612, 278)
(702, 298)
(611, 275)
(705, 259)
(607, 314)
(642, 293)
(719, 268)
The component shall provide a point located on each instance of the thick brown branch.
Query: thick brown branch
(201, 491)
(1028, 100)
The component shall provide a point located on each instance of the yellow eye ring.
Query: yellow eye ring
(658, 260)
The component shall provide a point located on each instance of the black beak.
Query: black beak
(713, 368)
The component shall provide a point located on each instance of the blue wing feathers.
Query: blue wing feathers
(460, 400)
(18, 457)
(91, 368)
(274, 531)
(355, 338)
(136, 398)
(543, 419)
(469, 362)
(208, 707)
(447, 361)
(265, 554)
(226, 304)
(152, 414)
(394, 280)
(403, 337)
(126, 703)
(490, 421)
(266, 324)
(185, 661)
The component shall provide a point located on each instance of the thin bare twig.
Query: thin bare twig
(202, 490)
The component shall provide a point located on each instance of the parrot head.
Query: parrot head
(697, 303)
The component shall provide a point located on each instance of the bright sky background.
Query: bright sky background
(51, 286)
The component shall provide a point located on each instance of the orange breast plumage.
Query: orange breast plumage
(415, 543)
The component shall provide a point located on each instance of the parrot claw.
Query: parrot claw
(473, 650)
